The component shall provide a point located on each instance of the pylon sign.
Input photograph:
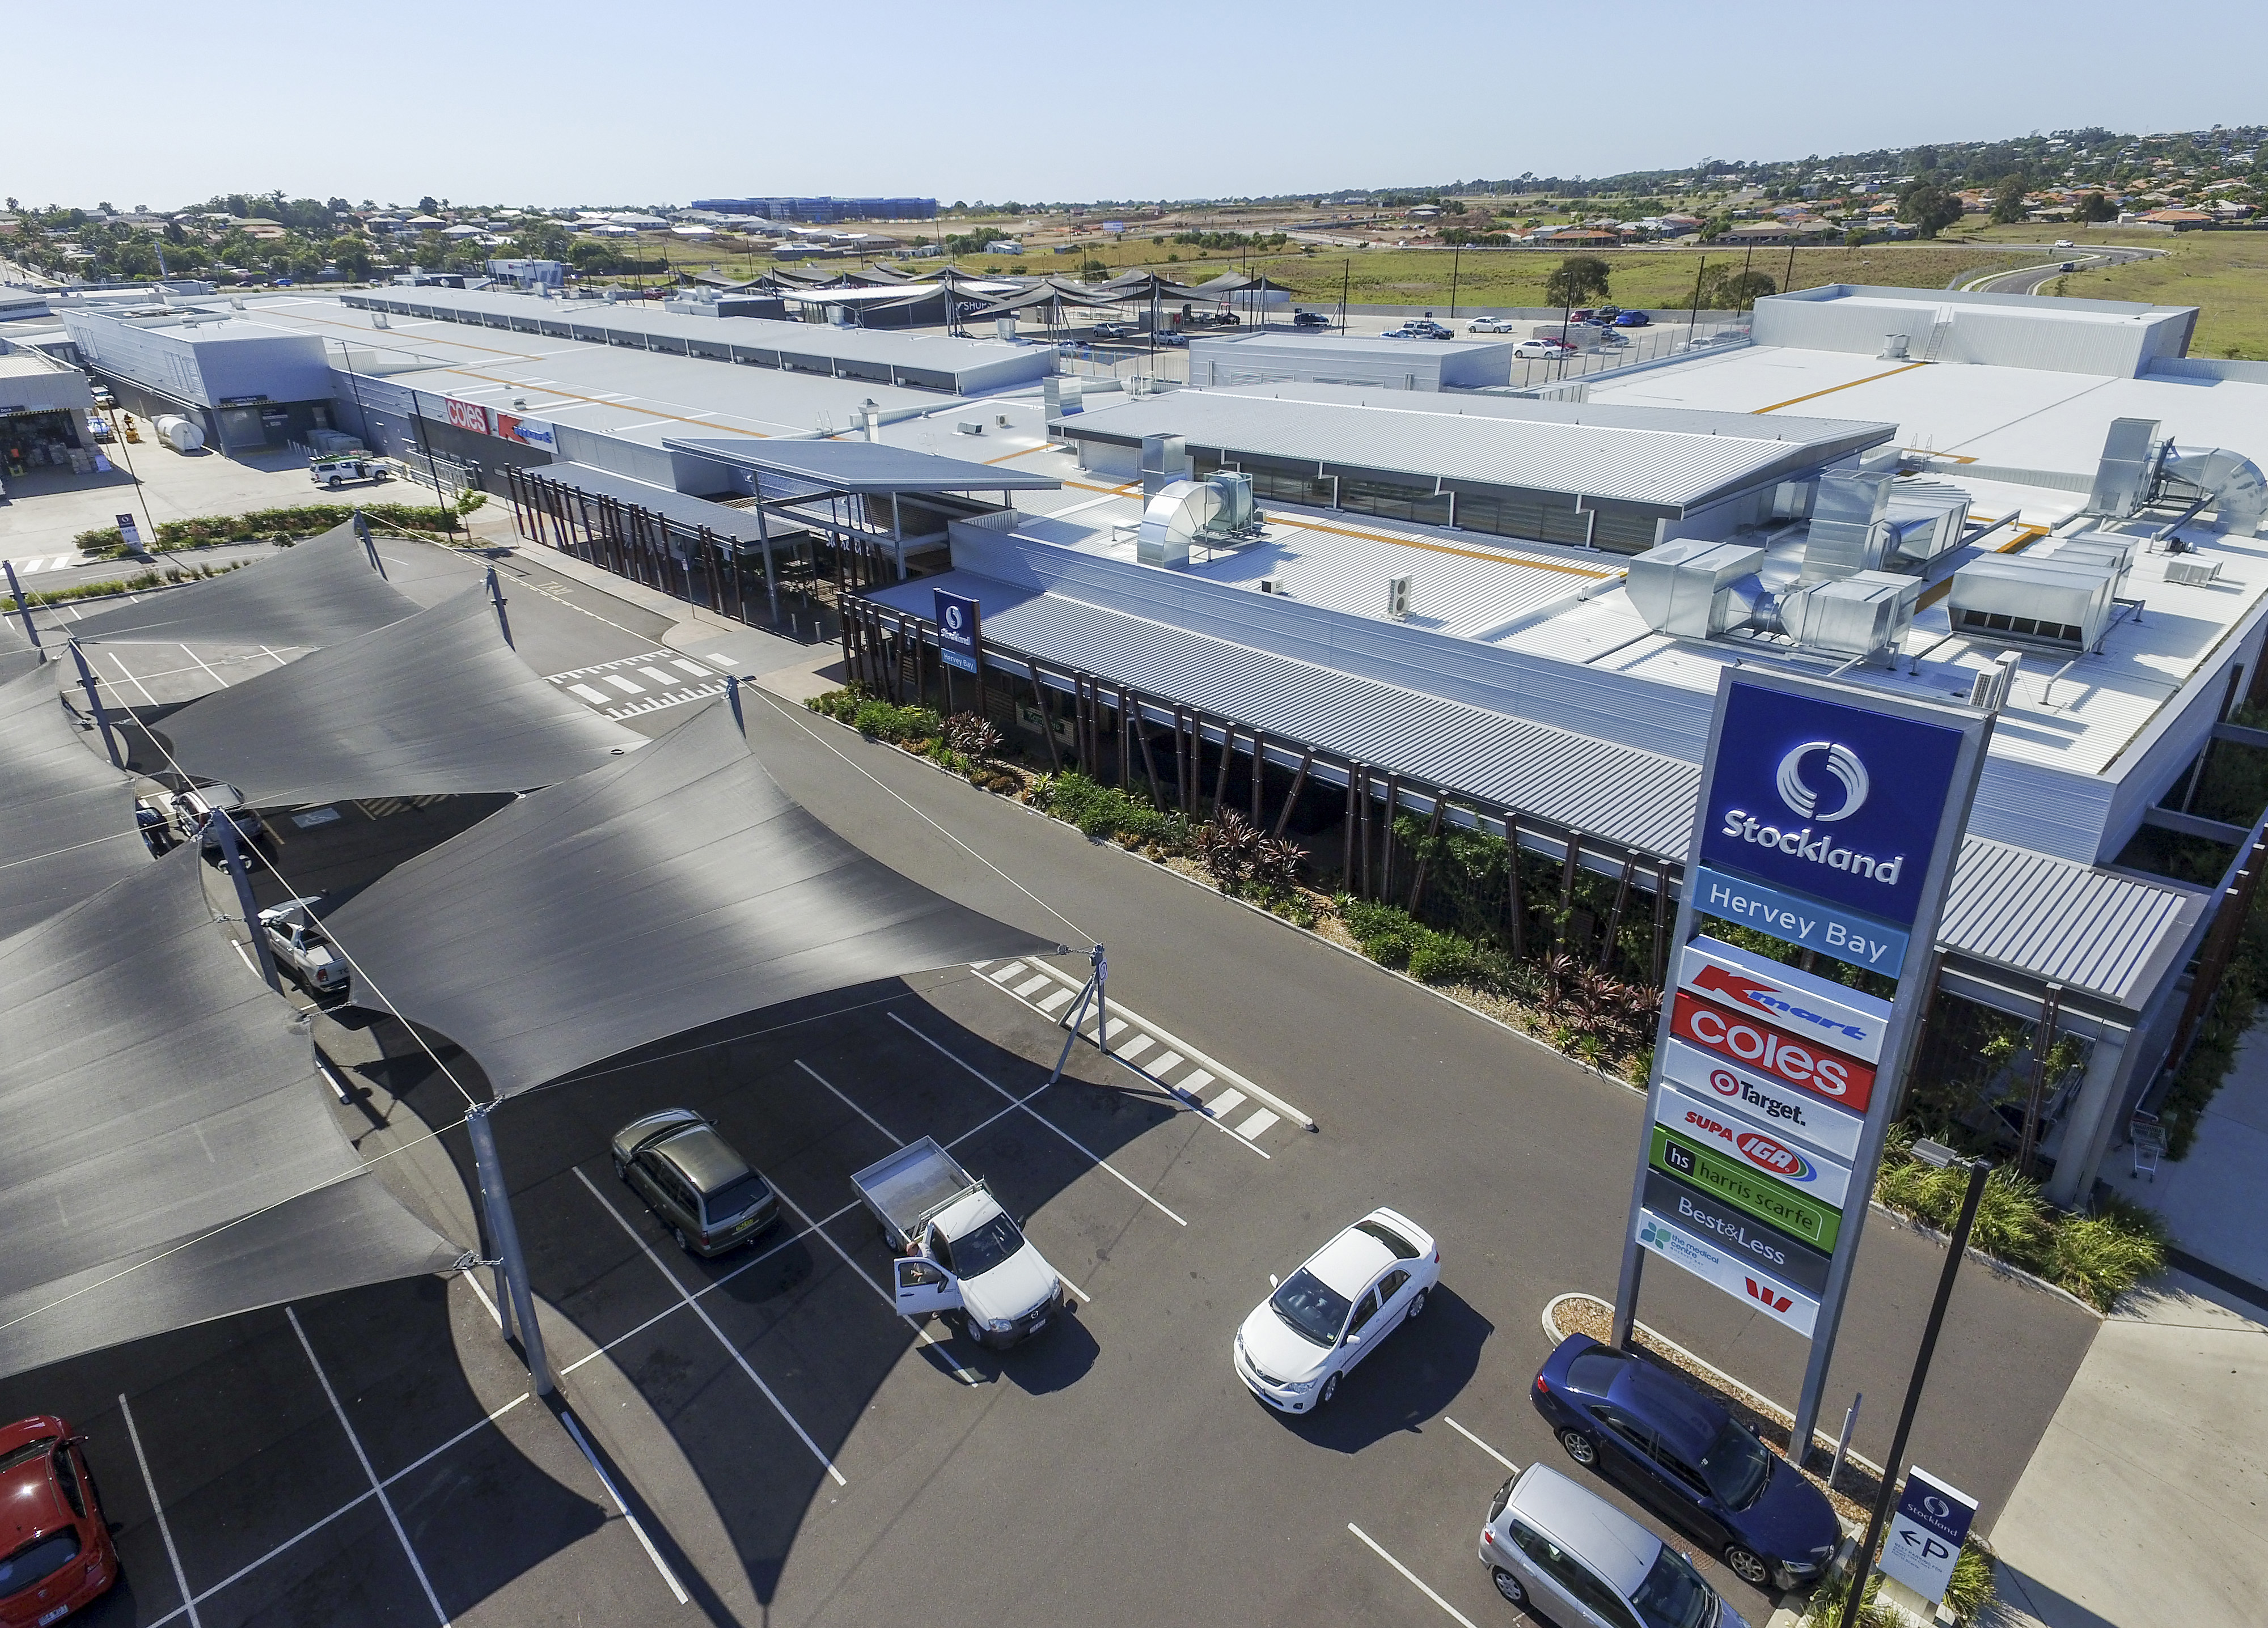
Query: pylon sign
(1830, 823)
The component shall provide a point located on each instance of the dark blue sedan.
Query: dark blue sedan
(1633, 319)
(1688, 1458)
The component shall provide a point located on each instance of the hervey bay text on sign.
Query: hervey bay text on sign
(1831, 815)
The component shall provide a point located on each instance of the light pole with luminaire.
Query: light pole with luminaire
(1862, 1564)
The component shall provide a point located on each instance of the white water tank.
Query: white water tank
(183, 435)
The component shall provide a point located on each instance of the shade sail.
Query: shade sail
(319, 592)
(675, 888)
(157, 1095)
(66, 817)
(432, 705)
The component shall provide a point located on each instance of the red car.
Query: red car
(55, 1553)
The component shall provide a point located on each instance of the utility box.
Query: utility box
(1866, 614)
(2043, 600)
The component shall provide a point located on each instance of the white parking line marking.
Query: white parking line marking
(1030, 984)
(1416, 1582)
(1251, 1129)
(376, 1485)
(1056, 1002)
(644, 1542)
(1134, 1048)
(1477, 1443)
(922, 1336)
(165, 1527)
(628, 686)
(895, 1140)
(695, 667)
(599, 698)
(702, 1312)
(1024, 1103)
(1225, 1104)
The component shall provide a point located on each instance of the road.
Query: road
(1114, 1469)
(2029, 279)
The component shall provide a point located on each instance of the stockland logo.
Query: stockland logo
(954, 619)
(1842, 766)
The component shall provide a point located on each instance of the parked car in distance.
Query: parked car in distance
(1334, 1310)
(301, 948)
(198, 811)
(2065, 243)
(1404, 332)
(337, 472)
(1632, 320)
(1686, 1455)
(689, 1176)
(1172, 340)
(1543, 349)
(1425, 327)
(1558, 1549)
(1310, 319)
(58, 1556)
(1116, 330)
(1722, 336)
(1493, 325)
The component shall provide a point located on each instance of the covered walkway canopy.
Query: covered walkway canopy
(320, 592)
(845, 467)
(435, 705)
(675, 888)
(66, 816)
(170, 1156)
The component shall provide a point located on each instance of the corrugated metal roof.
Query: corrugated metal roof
(2067, 923)
(1628, 454)
(691, 513)
(1618, 794)
(2055, 920)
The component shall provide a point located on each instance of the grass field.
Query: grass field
(2225, 274)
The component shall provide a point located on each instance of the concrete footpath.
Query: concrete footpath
(2146, 1501)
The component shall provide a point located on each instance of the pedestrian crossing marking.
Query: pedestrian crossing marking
(1056, 1001)
(1009, 971)
(1026, 989)
(655, 675)
(695, 667)
(1225, 1104)
(628, 686)
(598, 698)
(1164, 1065)
(1251, 1128)
(1197, 1082)
(1134, 1048)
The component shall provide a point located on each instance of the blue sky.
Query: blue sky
(575, 102)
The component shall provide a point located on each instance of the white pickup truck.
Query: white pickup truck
(959, 1251)
(301, 948)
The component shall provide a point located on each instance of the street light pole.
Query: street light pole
(1456, 255)
(1863, 1563)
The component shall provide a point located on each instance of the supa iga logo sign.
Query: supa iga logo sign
(1829, 799)
(1713, 1125)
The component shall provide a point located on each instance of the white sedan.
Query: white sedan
(1491, 325)
(1336, 1311)
(1542, 349)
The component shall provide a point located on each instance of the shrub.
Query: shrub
(1101, 811)
(2100, 1256)
(972, 735)
(270, 524)
(900, 726)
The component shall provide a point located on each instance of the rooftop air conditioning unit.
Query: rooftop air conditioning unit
(1397, 597)
(2049, 601)
(1864, 614)
(1691, 588)
(1988, 692)
(2193, 573)
(970, 427)
(1272, 585)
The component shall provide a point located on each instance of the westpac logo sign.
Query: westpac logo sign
(1827, 798)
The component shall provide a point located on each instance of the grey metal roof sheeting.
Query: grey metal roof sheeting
(865, 466)
(1630, 454)
(171, 1155)
(2065, 922)
(2054, 919)
(680, 509)
(1618, 794)
(67, 827)
(676, 888)
(316, 593)
(433, 705)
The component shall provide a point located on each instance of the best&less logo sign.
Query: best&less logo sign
(1773, 1052)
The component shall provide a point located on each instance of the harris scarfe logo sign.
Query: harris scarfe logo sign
(1827, 798)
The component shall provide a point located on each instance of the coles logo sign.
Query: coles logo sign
(1797, 1001)
(1832, 800)
(468, 415)
(1790, 1059)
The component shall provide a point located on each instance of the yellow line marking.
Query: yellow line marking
(2025, 537)
(1831, 389)
(1026, 452)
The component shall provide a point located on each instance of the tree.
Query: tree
(427, 204)
(591, 259)
(1742, 288)
(352, 256)
(2094, 207)
(1579, 280)
(1928, 208)
(1855, 238)
(2008, 202)
(543, 240)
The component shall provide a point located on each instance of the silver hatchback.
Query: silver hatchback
(1558, 1549)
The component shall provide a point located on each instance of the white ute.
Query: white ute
(301, 948)
(959, 1251)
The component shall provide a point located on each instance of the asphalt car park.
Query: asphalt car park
(787, 1448)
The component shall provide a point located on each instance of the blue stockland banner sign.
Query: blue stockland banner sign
(1846, 935)
(958, 629)
(1827, 799)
